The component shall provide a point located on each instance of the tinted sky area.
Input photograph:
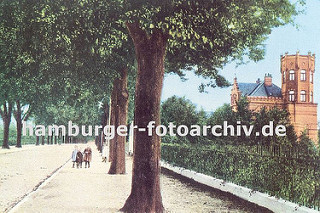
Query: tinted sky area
(284, 39)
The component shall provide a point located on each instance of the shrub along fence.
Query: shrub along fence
(280, 172)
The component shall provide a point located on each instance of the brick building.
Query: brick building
(296, 93)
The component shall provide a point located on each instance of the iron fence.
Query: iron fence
(283, 172)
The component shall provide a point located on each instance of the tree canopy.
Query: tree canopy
(75, 49)
(206, 34)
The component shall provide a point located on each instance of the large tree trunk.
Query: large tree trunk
(150, 53)
(18, 117)
(6, 117)
(118, 162)
(113, 117)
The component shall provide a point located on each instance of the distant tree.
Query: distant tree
(181, 111)
(243, 113)
(220, 115)
(306, 146)
(278, 117)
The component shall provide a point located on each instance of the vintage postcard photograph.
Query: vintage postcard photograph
(145, 106)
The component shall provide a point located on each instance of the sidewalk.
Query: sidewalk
(23, 168)
(81, 190)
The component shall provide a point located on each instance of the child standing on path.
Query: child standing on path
(74, 155)
(87, 156)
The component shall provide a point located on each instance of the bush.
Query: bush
(13, 137)
(294, 176)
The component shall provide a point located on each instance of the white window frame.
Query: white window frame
(303, 75)
(291, 95)
(291, 75)
(303, 96)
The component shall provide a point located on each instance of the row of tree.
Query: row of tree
(181, 111)
(69, 53)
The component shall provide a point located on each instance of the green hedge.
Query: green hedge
(294, 179)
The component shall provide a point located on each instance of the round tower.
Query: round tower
(297, 73)
(297, 77)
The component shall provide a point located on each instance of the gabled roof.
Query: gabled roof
(247, 88)
(259, 89)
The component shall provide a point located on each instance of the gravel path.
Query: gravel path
(92, 189)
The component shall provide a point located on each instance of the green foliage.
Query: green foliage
(12, 137)
(278, 117)
(53, 49)
(290, 175)
(306, 145)
(181, 111)
(225, 113)
(280, 166)
(221, 114)
(205, 35)
(56, 57)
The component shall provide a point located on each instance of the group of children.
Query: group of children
(78, 157)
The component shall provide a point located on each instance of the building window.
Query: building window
(291, 95)
(291, 75)
(311, 77)
(303, 75)
(303, 96)
(311, 97)
(284, 77)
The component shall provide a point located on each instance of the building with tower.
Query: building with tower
(295, 94)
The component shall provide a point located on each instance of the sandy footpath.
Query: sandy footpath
(92, 189)
(23, 168)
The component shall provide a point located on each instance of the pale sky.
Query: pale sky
(283, 39)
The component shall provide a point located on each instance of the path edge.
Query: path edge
(261, 199)
(13, 207)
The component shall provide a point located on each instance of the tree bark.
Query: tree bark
(51, 139)
(6, 117)
(17, 115)
(55, 139)
(113, 118)
(37, 140)
(121, 111)
(150, 54)
(42, 140)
